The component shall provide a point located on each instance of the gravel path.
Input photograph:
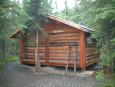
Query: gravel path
(17, 75)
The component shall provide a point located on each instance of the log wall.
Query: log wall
(29, 51)
(59, 39)
(53, 49)
(92, 56)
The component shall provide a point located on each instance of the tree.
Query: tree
(12, 16)
(66, 7)
(36, 9)
(56, 6)
(98, 15)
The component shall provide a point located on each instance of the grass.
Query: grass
(6, 60)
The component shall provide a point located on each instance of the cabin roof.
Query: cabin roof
(14, 35)
(70, 23)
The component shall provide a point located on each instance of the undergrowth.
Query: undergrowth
(9, 58)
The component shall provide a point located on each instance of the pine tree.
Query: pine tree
(12, 16)
(36, 9)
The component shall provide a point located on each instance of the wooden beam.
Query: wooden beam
(82, 50)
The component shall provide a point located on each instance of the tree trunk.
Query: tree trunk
(56, 6)
(66, 8)
(37, 60)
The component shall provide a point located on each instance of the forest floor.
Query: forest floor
(17, 75)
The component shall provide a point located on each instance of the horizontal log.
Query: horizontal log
(51, 58)
(61, 49)
(61, 52)
(65, 35)
(93, 51)
(50, 48)
(65, 40)
(40, 45)
(59, 55)
(32, 54)
(60, 45)
(33, 48)
(61, 65)
(32, 60)
(59, 31)
(62, 62)
(33, 57)
(60, 37)
(33, 51)
(91, 58)
(62, 56)
(58, 48)
(91, 54)
(91, 48)
(62, 40)
(92, 45)
(61, 59)
(88, 63)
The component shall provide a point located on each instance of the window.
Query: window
(89, 40)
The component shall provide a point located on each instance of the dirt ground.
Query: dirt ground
(17, 75)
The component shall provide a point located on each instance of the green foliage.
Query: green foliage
(109, 83)
(100, 75)
(101, 16)
(98, 15)
(6, 60)
(36, 9)
(12, 17)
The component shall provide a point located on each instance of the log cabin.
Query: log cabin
(66, 44)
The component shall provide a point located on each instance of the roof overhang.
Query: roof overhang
(16, 33)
